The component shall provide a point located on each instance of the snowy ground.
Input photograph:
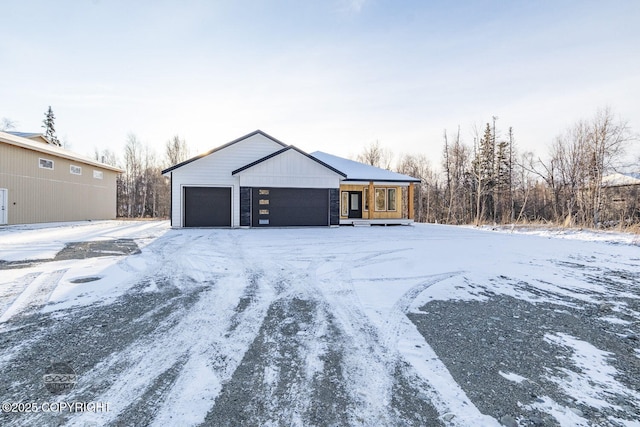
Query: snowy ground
(367, 326)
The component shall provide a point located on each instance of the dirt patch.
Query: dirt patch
(81, 250)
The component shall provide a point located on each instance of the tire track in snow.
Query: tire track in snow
(34, 295)
(374, 375)
(279, 381)
(395, 340)
(200, 348)
(452, 403)
(12, 290)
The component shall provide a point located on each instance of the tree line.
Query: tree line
(491, 182)
(484, 181)
(142, 191)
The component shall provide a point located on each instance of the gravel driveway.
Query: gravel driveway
(291, 327)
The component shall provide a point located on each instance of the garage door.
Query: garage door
(282, 207)
(207, 207)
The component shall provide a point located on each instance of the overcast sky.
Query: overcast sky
(332, 75)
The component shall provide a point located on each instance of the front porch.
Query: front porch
(376, 203)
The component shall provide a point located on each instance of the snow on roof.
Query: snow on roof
(357, 171)
(620, 179)
(24, 134)
(54, 150)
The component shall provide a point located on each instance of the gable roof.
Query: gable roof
(199, 156)
(357, 171)
(279, 152)
(30, 135)
(619, 179)
(52, 150)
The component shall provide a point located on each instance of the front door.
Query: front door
(4, 201)
(355, 204)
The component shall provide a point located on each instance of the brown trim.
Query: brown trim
(372, 200)
(410, 203)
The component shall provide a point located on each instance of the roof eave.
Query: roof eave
(200, 156)
(414, 180)
(54, 150)
(277, 153)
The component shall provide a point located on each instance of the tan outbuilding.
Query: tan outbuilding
(41, 182)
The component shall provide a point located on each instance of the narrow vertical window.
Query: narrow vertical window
(344, 203)
(381, 199)
(365, 196)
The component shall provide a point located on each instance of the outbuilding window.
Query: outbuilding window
(45, 163)
(75, 170)
(97, 174)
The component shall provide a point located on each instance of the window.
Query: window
(45, 163)
(263, 192)
(391, 199)
(97, 174)
(264, 211)
(75, 170)
(365, 196)
(386, 199)
(354, 202)
(381, 199)
(264, 201)
(344, 203)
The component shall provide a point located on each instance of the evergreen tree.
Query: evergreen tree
(49, 126)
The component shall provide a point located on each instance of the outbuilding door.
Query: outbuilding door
(4, 202)
(207, 206)
(290, 207)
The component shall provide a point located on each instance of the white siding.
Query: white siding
(290, 169)
(215, 170)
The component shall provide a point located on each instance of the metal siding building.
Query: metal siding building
(45, 183)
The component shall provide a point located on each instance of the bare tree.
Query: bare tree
(376, 155)
(607, 142)
(133, 167)
(176, 151)
(106, 156)
(7, 124)
(456, 163)
(429, 197)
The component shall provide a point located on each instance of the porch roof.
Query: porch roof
(357, 171)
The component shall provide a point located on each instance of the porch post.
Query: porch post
(372, 200)
(411, 207)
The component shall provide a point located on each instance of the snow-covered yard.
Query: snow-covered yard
(367, 326)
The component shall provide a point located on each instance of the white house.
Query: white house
(258, 181)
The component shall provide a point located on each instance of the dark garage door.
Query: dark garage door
(207, 207)
(282, 207)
